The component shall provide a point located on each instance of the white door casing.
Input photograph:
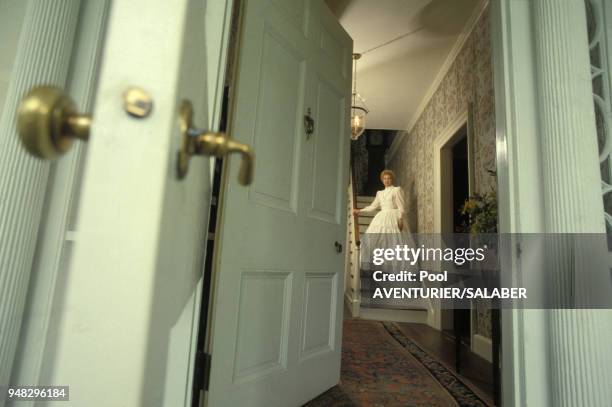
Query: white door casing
(57, 227)
(277, 310)
(125, 330)
(49, 26)
(540, 53)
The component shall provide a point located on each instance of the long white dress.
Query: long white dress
(384, 233)
(390, 201)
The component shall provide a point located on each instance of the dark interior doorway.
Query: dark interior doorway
(461, 192)
(461, 187)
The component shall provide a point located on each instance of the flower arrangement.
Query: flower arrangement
(481, 210)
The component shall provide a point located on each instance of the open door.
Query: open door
(126, 310)
(125, 313)
(275, 338)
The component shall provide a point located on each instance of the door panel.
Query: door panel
(327, 190)
(295, 10)
(276, 314)
(280, 62)
(319, 314)
(335, 54)
(267, 294)
(333, 49)
(125, 330)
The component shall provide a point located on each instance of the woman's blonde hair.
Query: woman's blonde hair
(387, 172)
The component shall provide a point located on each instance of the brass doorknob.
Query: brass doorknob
(48, 122)
(201, 142)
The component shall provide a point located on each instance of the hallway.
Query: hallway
(381, 366)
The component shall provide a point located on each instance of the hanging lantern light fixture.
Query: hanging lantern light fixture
(358, 109)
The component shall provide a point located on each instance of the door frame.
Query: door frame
(525, 374)
(535, 367)
(234, 11)
(56, 229)
(443, 171)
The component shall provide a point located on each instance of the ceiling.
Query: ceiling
(394, 78)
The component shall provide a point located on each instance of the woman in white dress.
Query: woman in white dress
(387, 230)
(390, 201)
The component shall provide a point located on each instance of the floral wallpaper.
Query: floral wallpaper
(359, 154)
(470, 79)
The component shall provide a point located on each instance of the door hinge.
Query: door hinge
(202, 370)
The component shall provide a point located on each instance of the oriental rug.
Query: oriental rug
(381, 367)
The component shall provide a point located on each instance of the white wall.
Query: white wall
(11, 18)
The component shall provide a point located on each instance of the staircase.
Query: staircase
(366, 308)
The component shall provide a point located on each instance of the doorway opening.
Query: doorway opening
(452, 111)
(203, 357)
(414, 327)
(459, 185)
(461, 180)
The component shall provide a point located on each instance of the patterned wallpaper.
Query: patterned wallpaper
(359, 154)
(470, 79)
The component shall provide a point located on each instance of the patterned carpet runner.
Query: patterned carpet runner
(381, 367)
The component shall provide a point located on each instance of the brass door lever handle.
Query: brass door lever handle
(48, 122)
(200, 142)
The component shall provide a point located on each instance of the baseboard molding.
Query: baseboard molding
(395, 315)
(352, 304)
(483, 347)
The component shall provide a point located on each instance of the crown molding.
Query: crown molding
(448, 63)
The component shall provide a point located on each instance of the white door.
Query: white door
(124, 324)
(125, 327)
(277, 306)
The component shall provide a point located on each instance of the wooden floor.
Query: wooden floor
(441, 345)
